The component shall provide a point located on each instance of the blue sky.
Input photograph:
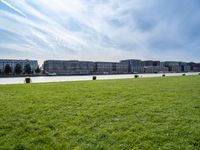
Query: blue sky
(106, 30)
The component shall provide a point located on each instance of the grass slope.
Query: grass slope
(148, 113)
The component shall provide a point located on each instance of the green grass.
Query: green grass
(145, 113)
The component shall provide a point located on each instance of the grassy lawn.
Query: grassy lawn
(144, 113)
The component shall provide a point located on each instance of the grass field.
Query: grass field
(144, 113)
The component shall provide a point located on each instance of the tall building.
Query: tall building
(12, 63)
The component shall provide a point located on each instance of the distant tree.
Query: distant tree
(38, 70)
(0, 71)
(7, 69)
(27, 69)
(18, 69)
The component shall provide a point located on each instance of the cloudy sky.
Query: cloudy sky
(106, 30)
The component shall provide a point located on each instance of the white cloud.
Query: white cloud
(99, 30)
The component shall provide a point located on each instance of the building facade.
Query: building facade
(173, 66)
(134, 65)
(194, 66)
(12, 63)
(75, 67)
(155, 69)
(104, 67)
(122, 68)
(72, 67)
(151, 66)
(62, 67)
